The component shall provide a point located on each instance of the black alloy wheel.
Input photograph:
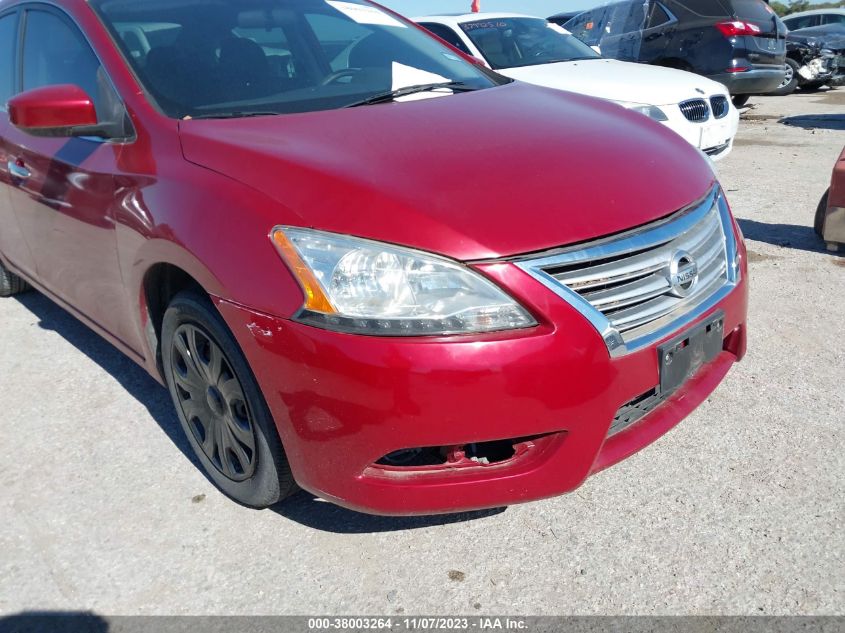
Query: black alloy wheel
(220, 405)
(213, 403)
(790, 79)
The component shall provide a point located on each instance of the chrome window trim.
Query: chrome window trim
(646, 237)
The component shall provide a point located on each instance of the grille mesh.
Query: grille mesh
(695, 110)
(717, 149)
(636, 409)
(634, 291)
(719, 105)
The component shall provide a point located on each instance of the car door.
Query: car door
(63, 194)
(659, 28)
(622, 30)
(13, 246)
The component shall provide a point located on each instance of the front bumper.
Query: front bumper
(341, 402)
(752, 81)
(714, 136)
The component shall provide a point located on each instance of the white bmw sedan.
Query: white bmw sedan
(536, 51)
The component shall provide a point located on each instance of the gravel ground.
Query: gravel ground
(739, 510)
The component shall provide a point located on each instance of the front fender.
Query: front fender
(212, 228)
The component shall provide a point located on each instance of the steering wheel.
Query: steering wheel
(338, 75)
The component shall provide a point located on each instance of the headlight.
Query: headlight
(367, 287)
(653, 112)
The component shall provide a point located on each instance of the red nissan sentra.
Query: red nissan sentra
(361, 263)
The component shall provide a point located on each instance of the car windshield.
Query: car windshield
(230, 58)
(515, 42)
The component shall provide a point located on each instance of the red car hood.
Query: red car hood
(497, 172)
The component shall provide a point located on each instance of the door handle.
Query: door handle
(18, 171)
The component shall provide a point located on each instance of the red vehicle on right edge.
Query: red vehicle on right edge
(830, 215)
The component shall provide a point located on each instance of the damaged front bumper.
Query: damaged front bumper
(819, 61)
(825, 67)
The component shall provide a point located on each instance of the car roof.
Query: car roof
(567, 14)
(814, 12)
(458, 18)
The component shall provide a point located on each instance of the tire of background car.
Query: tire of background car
(220, 406)
(790, 80)
(10, 283)
(740, 100)
(811, 86)
(818, 224)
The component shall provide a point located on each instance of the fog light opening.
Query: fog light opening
(461, 455)
(414, 457)
(490, 452)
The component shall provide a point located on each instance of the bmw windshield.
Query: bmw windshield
(514, 42)
(231, 58)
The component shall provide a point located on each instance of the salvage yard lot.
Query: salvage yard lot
(739, 510)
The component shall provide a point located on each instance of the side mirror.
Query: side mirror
(61, 110)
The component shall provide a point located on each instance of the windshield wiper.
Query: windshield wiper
(385, 97)
(568, 59)
(227, 115)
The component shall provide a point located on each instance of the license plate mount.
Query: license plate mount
(714, 135)
(684, 355)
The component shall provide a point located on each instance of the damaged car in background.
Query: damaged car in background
(815, 57)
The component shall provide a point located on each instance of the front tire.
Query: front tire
(10, 283)
(811, 86)
(220, 406)
(818, 224)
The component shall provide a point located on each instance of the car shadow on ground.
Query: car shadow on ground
(313, 512)
(54, 622)
(802, 238)
(303, 508)
(816, 121)
(137, 382)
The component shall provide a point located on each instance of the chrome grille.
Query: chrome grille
(719, 105)
(695, 110)
(644, 285)
(635, 290)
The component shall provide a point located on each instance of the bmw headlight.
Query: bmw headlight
(361, 286)
(651, 111)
